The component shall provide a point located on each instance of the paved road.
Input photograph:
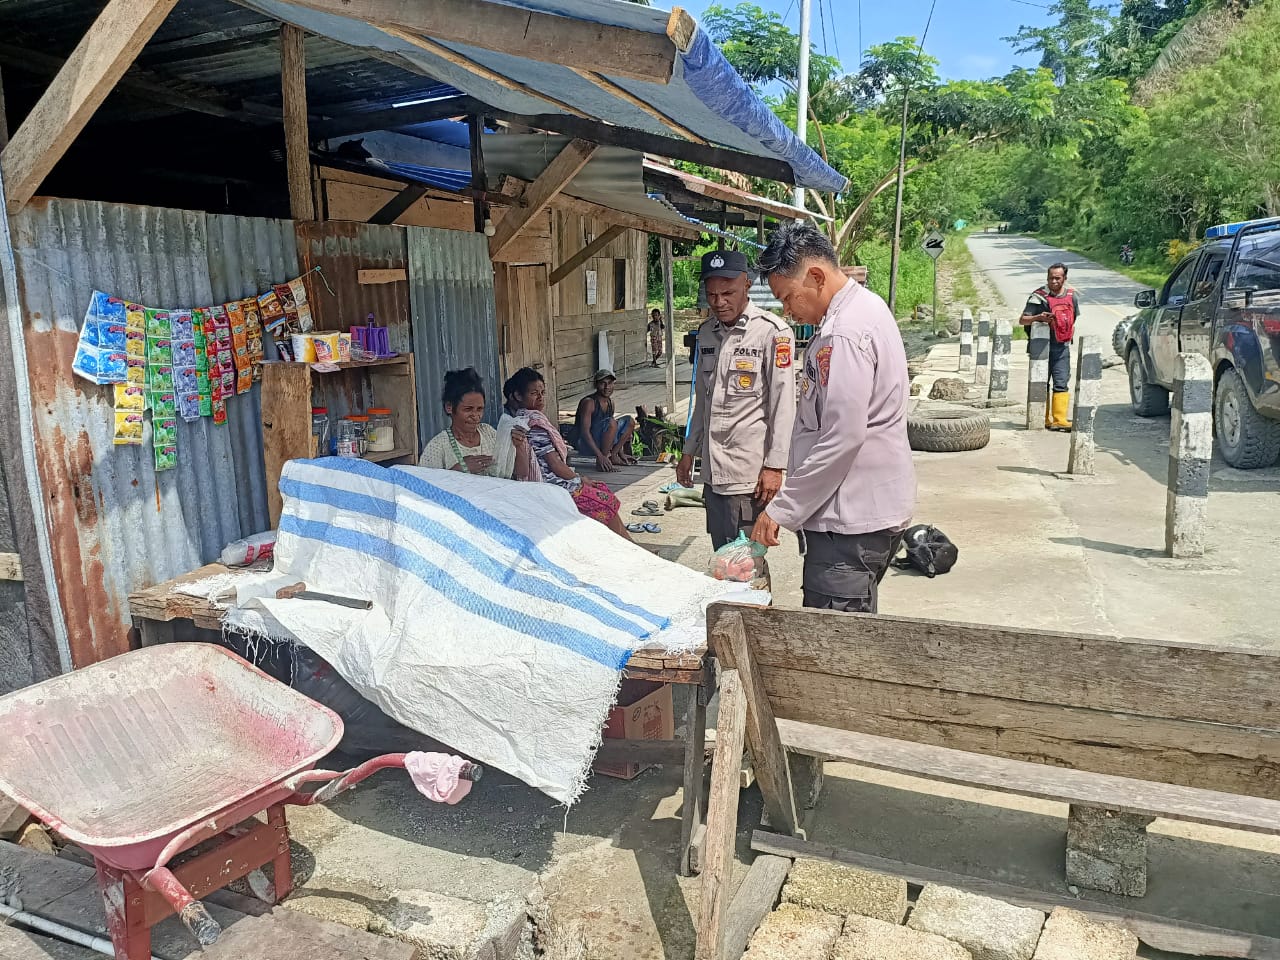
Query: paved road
(1017, 265)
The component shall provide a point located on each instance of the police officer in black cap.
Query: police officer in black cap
(744, 401)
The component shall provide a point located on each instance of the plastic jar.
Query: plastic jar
(361, 423)
(320, 446)
(348, 438)
(381, 434)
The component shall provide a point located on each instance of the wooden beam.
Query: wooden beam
(297, 143)
(1159, 933)
(728, 641)
(209, 43)
(572, 158)
(669, 316)
(10, 566)
(480, 70)
(4, 119)
(722, 819)
(391, 119)
(475, 143)
(519, 32)
(586, 253)
(611, 88)
(397, 205)
(512, 187)
(754, 900)
(98, 61)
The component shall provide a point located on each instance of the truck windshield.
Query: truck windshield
(1257, 263)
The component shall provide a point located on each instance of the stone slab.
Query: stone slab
(1070, 935)
(842, 889)
(794, 933)
(868, 939)
(1107, 850)
(989, 929)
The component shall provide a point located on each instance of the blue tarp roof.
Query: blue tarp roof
(704, 94)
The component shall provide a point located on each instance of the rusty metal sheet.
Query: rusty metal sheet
(341, 249)
(115, 524)
(454, 318)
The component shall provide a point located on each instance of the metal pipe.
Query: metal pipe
(802, 88)
(61, 931)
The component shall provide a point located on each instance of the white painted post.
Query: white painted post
(982, 372)
(1190, 454)
(1038, 377)
(1088, 394)
(966, 340)
(1001, 346)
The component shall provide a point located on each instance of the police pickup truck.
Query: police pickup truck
(1223, 302)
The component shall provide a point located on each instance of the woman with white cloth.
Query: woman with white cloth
(469, 444)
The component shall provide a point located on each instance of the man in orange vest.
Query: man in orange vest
(1057, 305)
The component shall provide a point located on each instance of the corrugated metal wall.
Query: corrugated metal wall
(454, 320)
(339, 301)
(116, 524)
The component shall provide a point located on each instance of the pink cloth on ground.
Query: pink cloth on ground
(437, 776)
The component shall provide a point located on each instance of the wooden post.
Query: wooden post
(669, 304)
(98, 61)
(722, 818)
(572, 158)
(297, 143)
(695, 734)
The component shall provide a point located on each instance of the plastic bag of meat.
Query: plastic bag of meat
(741, 561)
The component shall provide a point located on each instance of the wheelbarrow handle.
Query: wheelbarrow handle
(335, 782)
(193, 914)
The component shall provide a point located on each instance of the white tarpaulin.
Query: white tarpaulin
(502, 617)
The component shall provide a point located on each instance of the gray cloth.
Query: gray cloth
(744, 400)
(728, 514)
(842, 571)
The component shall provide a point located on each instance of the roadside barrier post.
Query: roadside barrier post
(966, 340)
(1001, 346)
(1038, 376)
(1190, 452)
(982, 374)
(1088, 393)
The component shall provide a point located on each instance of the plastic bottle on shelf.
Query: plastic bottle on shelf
(320, 442)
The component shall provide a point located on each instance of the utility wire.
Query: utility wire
(835, 34)
(822, 19)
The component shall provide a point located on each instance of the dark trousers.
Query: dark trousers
(728, 514)
(842, 571)
(1059, 365)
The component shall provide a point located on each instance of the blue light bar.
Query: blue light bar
(1228, 229)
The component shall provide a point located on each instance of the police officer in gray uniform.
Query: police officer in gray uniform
(744, 401)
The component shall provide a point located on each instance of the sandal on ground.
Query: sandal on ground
(651, 528)
(635, 528)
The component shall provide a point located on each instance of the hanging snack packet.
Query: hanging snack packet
(189, 406)
(253, 330)
(305, 323)
(159, 351)
(102, 341)
(128, 431)
(285, 292)
(270, 309)
(160, 379)
(183, 324)
(240, 347)
(158, 325)
(164, 406)
(298, 287)
(130, 397)
(166, 454)
(184, 353)
(136, 374)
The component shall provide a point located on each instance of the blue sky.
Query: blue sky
(965, 35)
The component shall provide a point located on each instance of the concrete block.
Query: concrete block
(794, 933)
(868, 939)
(1107, 850)
(1070, 935)
(12, 818)
(989, 929)
(838, 888)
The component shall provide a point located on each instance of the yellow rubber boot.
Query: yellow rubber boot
(1058, 411)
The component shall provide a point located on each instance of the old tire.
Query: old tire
(1119, 334)
(1247, 439)
(1148, 399)
(948, 431)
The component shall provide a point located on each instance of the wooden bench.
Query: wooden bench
(1122, 730)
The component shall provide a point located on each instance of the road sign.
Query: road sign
(933, 244)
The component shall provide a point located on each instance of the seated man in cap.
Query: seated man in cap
(600, 434)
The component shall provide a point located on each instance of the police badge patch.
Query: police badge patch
(782, 355)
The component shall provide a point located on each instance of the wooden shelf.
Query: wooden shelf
(347, 364)
(374, 456)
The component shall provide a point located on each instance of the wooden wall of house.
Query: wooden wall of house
(577, 324)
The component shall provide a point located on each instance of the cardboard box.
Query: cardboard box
(644, 712)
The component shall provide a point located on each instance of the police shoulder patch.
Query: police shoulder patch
(824, 364)
(782, 355)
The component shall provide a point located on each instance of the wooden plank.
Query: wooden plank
(1159, 933)
(722, 818)
(98, 61)
(370, 277)
(728, 641)
(161, 603)
(1205, 755)
(1182, 681)
(586, 253)
(66, 892)
(572, 158)
(10, 566)
(286, 424)
(391, 211)
(1034, 779)
(603, 215)
(297, 143)
(529, 34)
(753, 901)
(17, 944)
(695, 766)
(626, 96)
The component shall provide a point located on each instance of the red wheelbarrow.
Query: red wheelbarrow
(142, 757)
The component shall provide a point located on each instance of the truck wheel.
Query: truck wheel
(1247, 439)
(948, 431)
(1118, 335)
(1149, 399)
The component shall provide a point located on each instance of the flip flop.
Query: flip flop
(668, 487)
(651, 528)
(648, 510)
(635, 528)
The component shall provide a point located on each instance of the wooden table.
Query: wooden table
(158, 609)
